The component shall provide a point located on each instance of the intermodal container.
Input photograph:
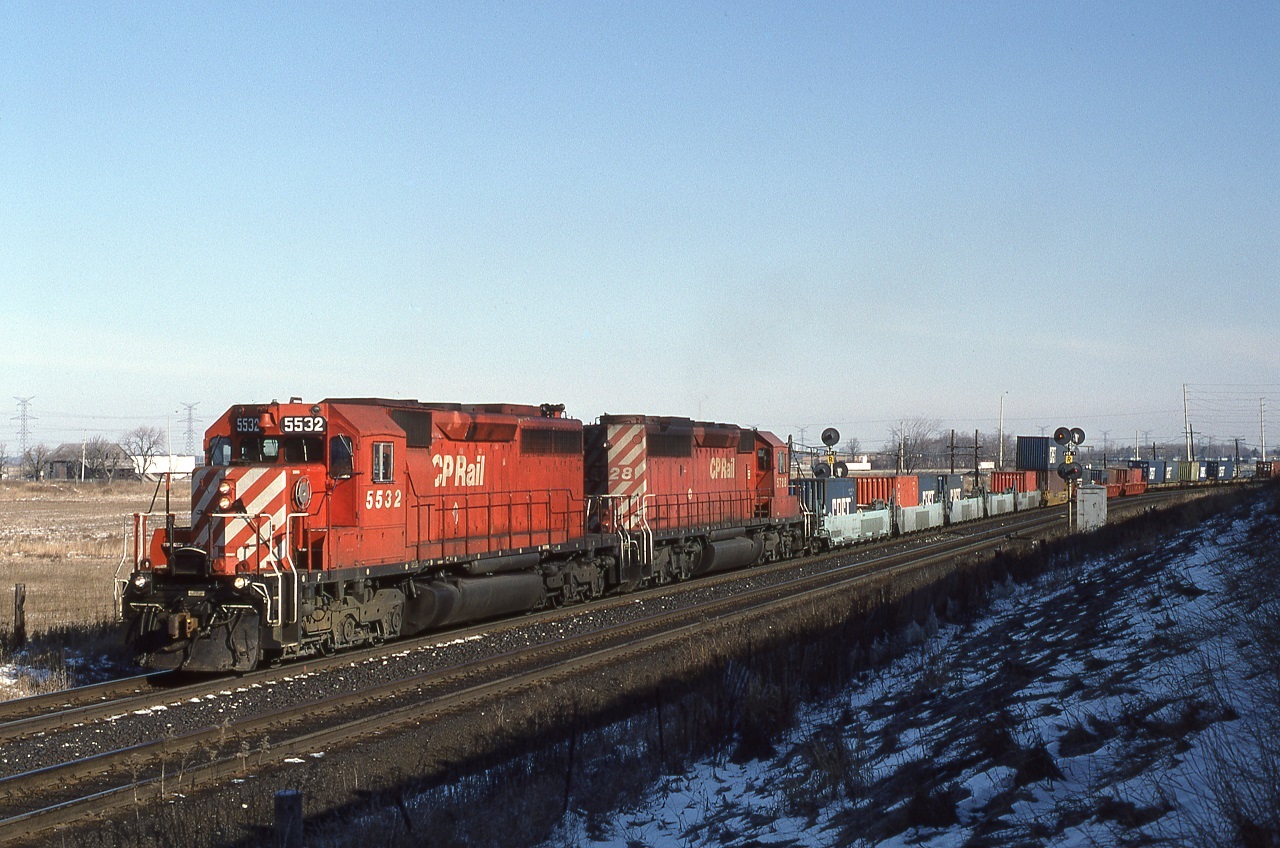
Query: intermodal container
(1153, 470)
(1266, 469)
(1037, 453)
(898, 489)
(940, 488)
(826, 495)
(1015, 481)
(1190, 472)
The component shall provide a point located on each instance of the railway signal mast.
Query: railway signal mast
(1069, 470)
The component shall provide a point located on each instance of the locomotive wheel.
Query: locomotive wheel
(349, 630)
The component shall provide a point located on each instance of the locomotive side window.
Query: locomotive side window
(220, 451)
(341, 465)
(762, 459)
(382, 456)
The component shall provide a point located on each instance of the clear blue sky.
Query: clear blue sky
(787, 215)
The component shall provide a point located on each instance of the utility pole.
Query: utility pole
(1186, 421)
(953, 451)
(1000, 434)
(84, 445)
(23, 418)
(1105, 445)
(1262, 419)
(191, 428)
(976, 478)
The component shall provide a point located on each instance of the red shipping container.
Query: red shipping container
(900, 489)
(1018, 481)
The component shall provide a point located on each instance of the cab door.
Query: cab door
(382, 505)
(343, 486)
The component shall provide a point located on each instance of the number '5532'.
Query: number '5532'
(382, 499)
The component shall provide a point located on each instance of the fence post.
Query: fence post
(19, 615)
(289, 818)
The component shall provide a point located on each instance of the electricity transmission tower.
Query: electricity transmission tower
(191, 427)
(24, 417)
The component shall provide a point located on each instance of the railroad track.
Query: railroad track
(47, 713)
(35, 800)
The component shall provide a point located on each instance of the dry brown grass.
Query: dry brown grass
(65, 541)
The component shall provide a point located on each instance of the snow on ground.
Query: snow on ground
(1103, 705)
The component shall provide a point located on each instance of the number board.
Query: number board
(302, 424)
(248, 425)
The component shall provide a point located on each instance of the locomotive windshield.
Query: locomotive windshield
(220, 451)
(257, 450)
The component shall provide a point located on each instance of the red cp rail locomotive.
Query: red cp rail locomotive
(316, 527)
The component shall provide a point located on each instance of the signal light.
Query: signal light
(1062, 435)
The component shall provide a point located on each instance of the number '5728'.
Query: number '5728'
(382, 499)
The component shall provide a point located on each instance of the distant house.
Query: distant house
(71, 461)
(158, 466)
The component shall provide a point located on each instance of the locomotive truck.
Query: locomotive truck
(317, 527)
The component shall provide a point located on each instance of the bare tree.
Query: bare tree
(852, 446)
(911, 441)
(35, 461)
(103, 458)
(143, 444)
(4, 459)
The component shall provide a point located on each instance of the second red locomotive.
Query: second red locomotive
(316, 527)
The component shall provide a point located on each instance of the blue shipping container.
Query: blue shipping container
(940, 488)
(1038, 453)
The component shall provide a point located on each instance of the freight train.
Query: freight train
(319, 527)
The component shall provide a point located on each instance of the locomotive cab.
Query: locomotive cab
(198, 595)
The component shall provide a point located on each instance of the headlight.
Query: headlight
(224, 503)
(142, 580)
(224, 488)
(240, 582)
